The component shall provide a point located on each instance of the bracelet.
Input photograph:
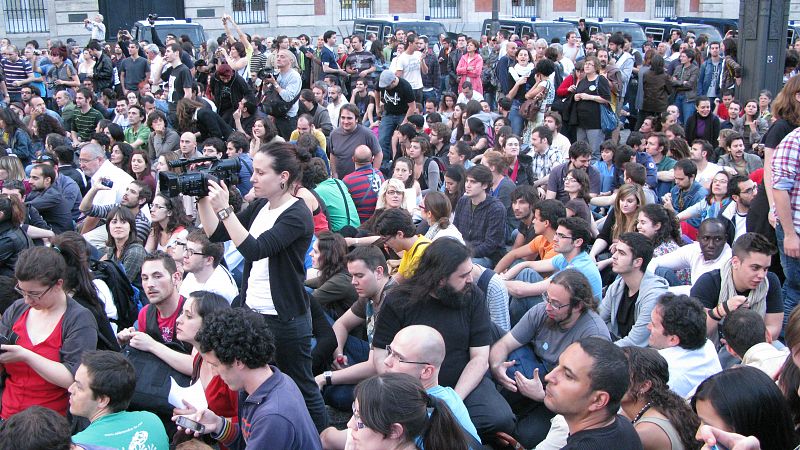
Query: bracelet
(714, 315)
(725, 307)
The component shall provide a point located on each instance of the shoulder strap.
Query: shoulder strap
(151, 323)
(344, 199)
(416, 247)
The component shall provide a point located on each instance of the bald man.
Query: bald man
(188, 146)
(364, 182)
(418, 351)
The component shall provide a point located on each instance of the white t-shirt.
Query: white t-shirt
(688, 368)
(691, 257)
(259, 293)
(120, 179)
(409, 64)
(707, 174)
(221, 282)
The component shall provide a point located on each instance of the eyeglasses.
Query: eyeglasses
(553, 305)
(400, 358)
(564, 236)
(32, 295)
(570, 179)
(359, 424)
(422, 207)
(395, 192)
(751, 190)
(190, 252)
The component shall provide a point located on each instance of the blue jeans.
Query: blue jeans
(519, 306)
(686, 108)
(443, 83)
(293, 357)
(433, 95)
(340, 396)
(389, 123)
(791, 268)
(517, 121)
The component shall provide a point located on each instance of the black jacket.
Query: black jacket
(103, 75)
(210, 124)
(237, 88)
(12, 242)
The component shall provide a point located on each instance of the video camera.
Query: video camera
(195, 183)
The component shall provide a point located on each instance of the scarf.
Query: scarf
(757, 298)
(519, 71)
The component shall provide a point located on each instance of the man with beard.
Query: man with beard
(440, 294)
(136, 196)
(742, 190)
(534, 344)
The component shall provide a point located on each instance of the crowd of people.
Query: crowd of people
(494, 243)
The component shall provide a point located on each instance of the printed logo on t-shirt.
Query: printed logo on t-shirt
(393, 99)
(166, 334)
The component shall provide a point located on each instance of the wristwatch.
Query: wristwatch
(327, 374)
(225, 213)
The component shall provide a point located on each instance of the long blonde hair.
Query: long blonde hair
(624, 223)
(13, 166)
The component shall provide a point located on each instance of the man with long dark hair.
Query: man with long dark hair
(440, 294)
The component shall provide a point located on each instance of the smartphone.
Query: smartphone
(107, 183)
(190, 424)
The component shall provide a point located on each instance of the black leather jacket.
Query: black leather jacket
(12, 241)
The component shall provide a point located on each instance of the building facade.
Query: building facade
(43, 19)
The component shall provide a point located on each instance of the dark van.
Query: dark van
(545, 29)
(661, 31)
(792, 33)
(387, 27)
(142, 30)
(722, 25)
(612, 26)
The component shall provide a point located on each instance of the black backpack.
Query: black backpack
(126, 296)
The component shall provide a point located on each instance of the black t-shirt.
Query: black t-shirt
(461, 328)
(620, 435)
(179, 78)
(707, 288)
(364, 102)
(527, 230)
(625, 313)
(395, 101)
(589, 111)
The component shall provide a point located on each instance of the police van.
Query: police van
(602, 25)
(142, 30)
(661, 31)
(545, 29)
(385, 27)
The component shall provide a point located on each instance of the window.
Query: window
(598, 8)
(26, 16)
(354, 9)
(664, 8)
(445, 9)
(523, 8)
(250, 11)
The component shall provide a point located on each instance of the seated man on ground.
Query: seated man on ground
(747, 338)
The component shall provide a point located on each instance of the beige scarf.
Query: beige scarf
(757, 298)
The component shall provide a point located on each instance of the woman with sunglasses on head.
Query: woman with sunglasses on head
(48, 331)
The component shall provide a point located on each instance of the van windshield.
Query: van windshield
(549, 31)
(193, 31)
(430, 29)
(710, 31)
(637, 35)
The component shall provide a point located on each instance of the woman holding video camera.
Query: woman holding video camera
(273, 234)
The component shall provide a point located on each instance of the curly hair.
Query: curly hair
(45, 125)
(176, 219)
(647, 365)
(237, 334)
(670, 229)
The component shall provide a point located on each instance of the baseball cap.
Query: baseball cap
(387, 78)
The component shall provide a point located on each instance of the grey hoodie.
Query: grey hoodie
(651, 288)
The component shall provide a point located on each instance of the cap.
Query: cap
(387, 78)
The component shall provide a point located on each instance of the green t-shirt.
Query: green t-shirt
(125, 430)
(341, 209)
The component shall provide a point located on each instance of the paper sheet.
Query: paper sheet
(193, 394)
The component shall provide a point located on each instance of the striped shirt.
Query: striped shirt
(543, 163)
(786, 172)
(142, 221)
(364, 184)
(84, 124)
(16, 71)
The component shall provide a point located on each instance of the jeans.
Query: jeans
(594, 138)
(488, 410)
(443, 83)
(519, 306)
(686, 108)
(433, 95)
(517, 121)
(389, 123)
(483, 261)
(293, 357)
(340, 396)
(285, 126)
(791, 268)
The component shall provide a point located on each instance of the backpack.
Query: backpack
(442, 170)
(126, 296)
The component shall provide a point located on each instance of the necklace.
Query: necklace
(642, 411)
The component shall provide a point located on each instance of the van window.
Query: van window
(358, 28)
(657, 33)
(372, 28)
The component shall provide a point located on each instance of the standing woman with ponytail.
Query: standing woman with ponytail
(273, 234)
(49, 332)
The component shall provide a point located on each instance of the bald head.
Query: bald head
(188, 144)
(426, 344)
(362, 155)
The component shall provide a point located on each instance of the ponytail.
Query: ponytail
(443, 432)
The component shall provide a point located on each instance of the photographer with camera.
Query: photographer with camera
(96, 26)
(281, 92)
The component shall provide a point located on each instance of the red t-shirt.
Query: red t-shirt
(165, 324)
(24, 386)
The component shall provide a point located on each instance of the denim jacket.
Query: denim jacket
(707, 76)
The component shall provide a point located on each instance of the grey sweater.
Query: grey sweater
(651, 288)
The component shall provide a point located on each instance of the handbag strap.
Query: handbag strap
(344, 199)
